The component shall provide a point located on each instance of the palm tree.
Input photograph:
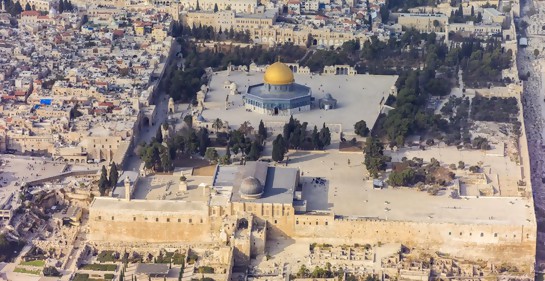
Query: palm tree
(217, 124)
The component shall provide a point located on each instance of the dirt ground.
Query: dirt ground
(204, 171)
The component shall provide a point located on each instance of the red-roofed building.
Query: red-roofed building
(30, 14)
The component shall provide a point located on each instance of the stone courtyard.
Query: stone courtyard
(359, 98)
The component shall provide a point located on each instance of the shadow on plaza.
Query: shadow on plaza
(302, 156)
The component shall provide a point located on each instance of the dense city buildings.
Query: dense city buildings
(269, 140)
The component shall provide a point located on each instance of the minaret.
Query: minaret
(127, 183)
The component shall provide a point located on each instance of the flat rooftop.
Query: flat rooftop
(166, 187)
(279, 184)
(358, 98)
(148, 206)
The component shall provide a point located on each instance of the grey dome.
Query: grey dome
(250, 187)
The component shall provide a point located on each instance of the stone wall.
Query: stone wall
(498, 243)
(113, 226)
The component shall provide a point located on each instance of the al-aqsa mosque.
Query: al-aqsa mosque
(278, 94)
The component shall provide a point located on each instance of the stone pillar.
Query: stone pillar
(127, 183)
(183, 186)
(171, 108)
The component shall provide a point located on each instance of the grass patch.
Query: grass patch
(107, 256)
(85, 277)
(39, 263)
(205, 269)
(27, 271)
(175, 257)
(108, 276)
(100, 267)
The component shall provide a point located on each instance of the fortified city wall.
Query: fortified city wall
(499, 243)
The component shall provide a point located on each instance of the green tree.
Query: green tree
(374, 158)
(27, 7)
(103, 181)
(188, 120)
(204, 141)
(310, 39)
(51, 271)
(211, 154)
(166, 161)
(262, 131)
(215, 7)
(254, 153)
(384, 14)
(461, 165)
(279, 149)
(198, 8)
(159, 135)
(325, 136)
(217, 124)
(61, 6)
(403, 178)
(17, 9)
(361, 128)
(114, 175)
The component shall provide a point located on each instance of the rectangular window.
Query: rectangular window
(190, 221)
(99, 217)
(112, 218)
(168, 220)
(156, 219)
(179, 220)
(133, 218)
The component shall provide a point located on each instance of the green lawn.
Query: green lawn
(99, 267)
(176, 258)
(39, 263)
(24, 270)
(84, 277)
(106, 256)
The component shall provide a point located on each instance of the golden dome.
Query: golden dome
(278, 74)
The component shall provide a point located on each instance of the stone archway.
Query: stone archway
(146, 121)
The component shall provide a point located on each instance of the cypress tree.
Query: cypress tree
(17, 9)
(159, 135)
(262, 131)
(114, 175)
(279, 149)
(253, 155)
(27, 7)
(103, 181)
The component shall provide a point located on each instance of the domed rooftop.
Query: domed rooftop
(251, 188)
(278, 74)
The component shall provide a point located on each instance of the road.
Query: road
(534, 115)
(148, 132)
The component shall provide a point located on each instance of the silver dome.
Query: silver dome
(251, 188)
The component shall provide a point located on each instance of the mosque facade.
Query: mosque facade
(278, 94)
